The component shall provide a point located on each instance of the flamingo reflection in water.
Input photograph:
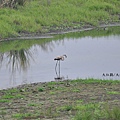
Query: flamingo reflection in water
(58, 59)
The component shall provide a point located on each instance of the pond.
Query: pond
(90, 54)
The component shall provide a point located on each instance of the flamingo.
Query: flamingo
(59, 58)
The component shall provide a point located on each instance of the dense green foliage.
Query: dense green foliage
(43, 15)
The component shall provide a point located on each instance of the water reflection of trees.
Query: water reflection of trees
(47, 46)
(17, 60)
(1, 58)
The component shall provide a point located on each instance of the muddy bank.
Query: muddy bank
(54, 31)
(56, 100)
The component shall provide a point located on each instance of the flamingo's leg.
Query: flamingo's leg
(56, 69)
(59, 69)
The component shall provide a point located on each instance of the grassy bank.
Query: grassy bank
(50, 15)
(26, 44)
(87, 99)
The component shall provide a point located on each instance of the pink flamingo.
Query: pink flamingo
(58, 59)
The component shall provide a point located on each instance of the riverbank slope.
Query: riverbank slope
(62, 100)
(40, 16)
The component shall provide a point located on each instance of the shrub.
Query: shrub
(11, 3)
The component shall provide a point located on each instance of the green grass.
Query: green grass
(113, 92)
(91, 80)
(40, 89)
(21, 115)
(90, 111)
(76, 90)
(65, 108)
(38, 16)
(113, 114)
(4, 101)
(94, 111)
(9, 95)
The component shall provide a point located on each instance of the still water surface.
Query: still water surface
(88, 57)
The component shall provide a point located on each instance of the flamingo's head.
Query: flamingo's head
(65, 55)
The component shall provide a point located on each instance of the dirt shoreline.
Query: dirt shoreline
(29, 36)
(56, 100)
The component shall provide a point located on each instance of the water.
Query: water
(88, 57)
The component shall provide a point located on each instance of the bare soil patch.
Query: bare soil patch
(54, 100)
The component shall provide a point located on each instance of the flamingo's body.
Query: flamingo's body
(60, 57)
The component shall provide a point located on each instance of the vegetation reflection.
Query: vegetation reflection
(17, 60)
(17, 55)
